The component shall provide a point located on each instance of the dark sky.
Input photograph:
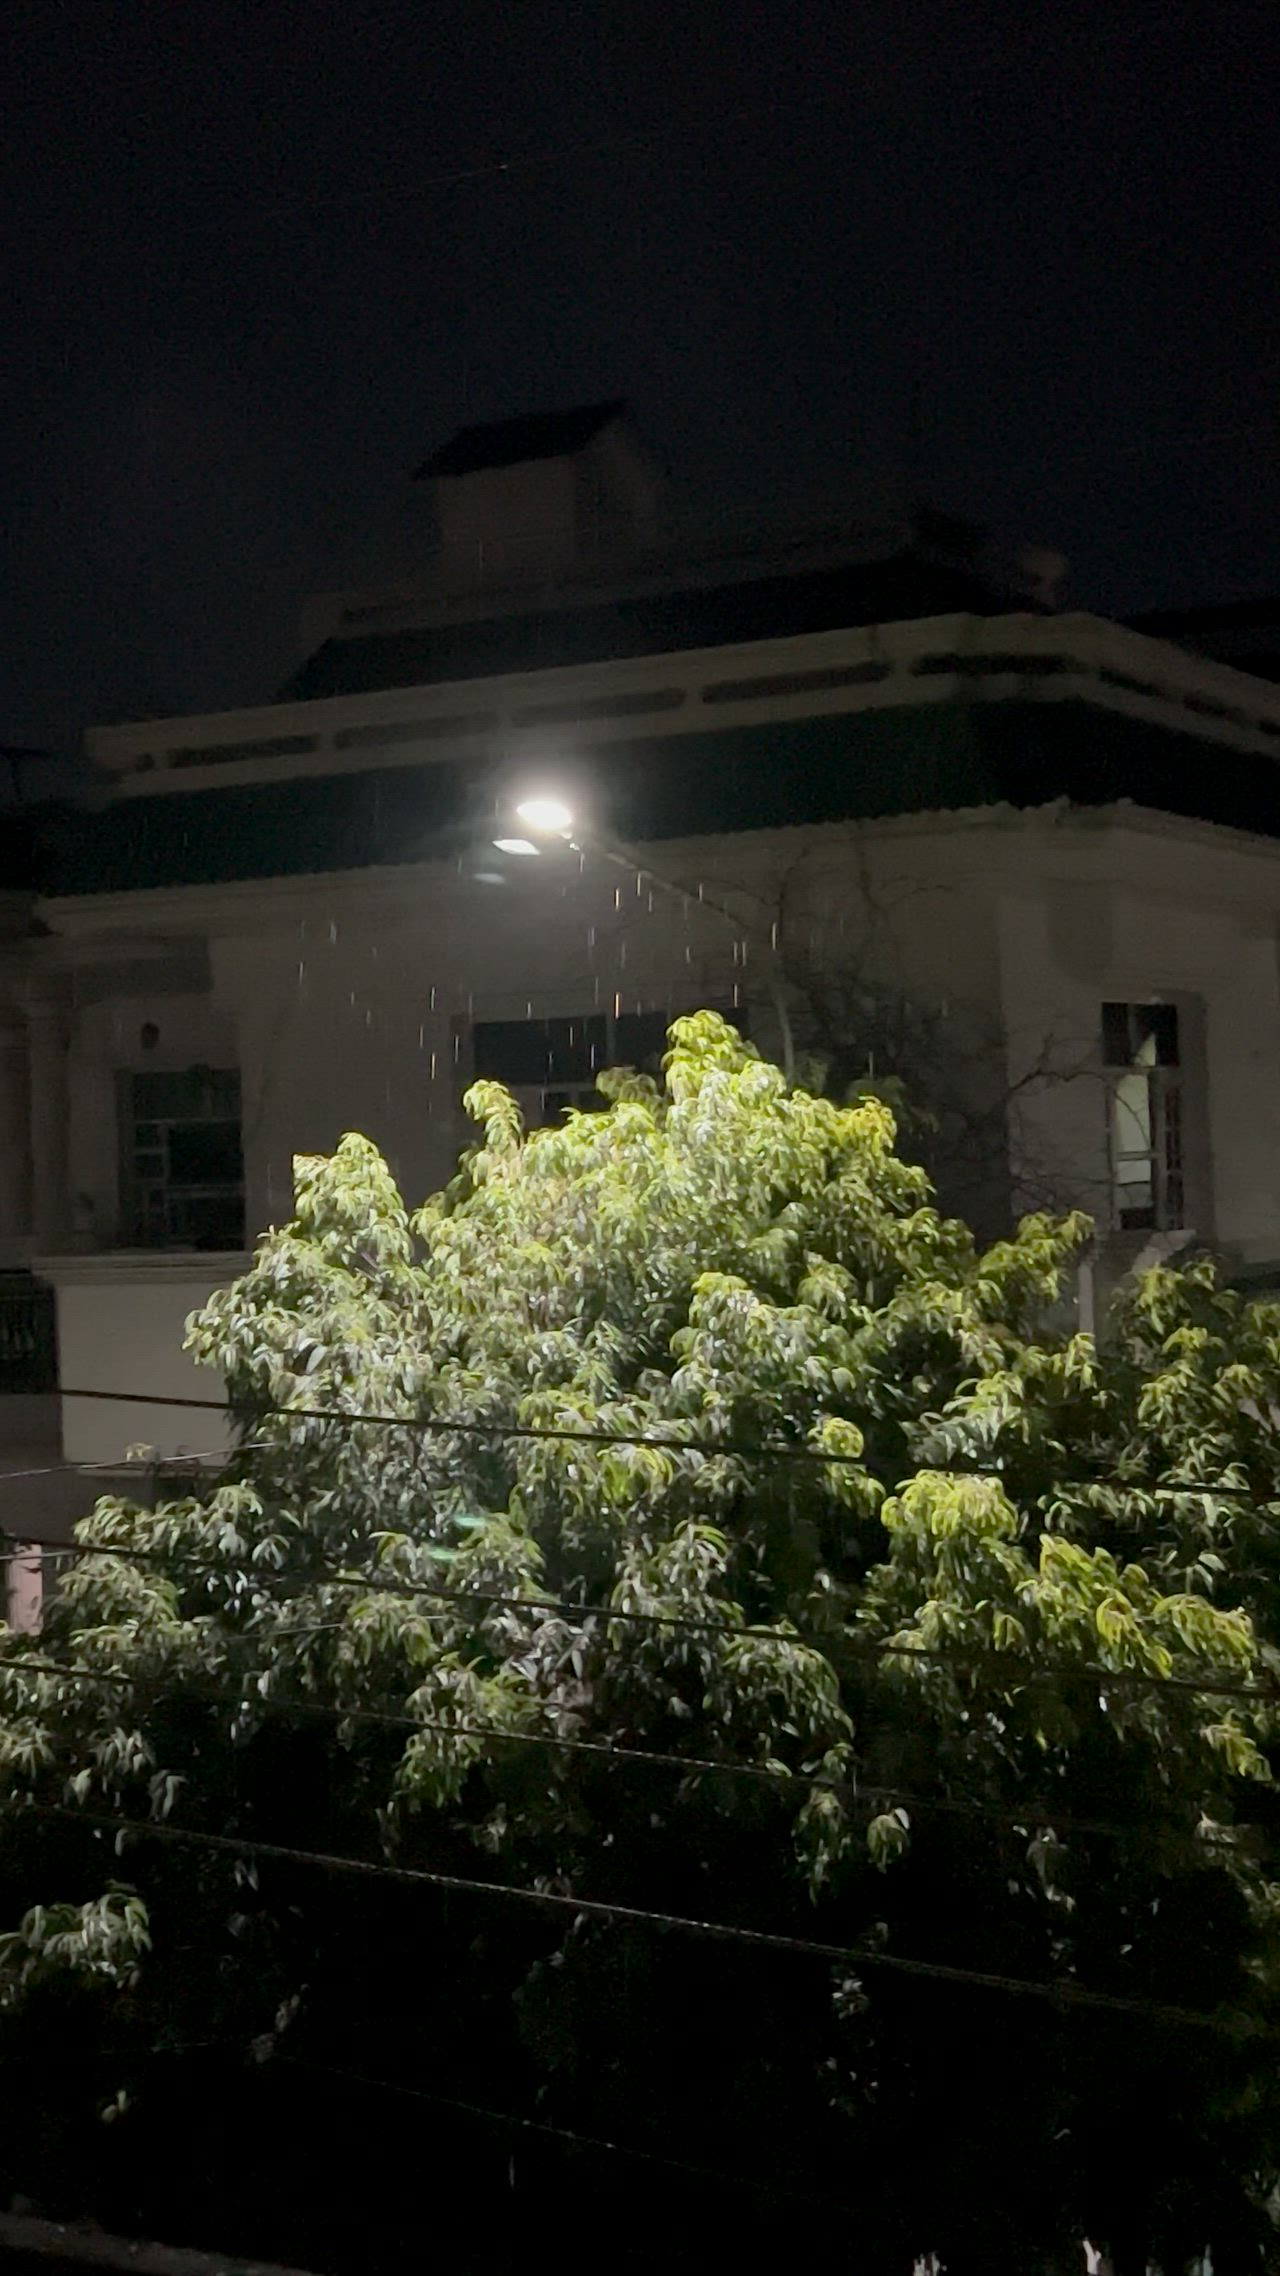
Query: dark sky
(260, 258)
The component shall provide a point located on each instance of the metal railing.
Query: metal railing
(28, 1335)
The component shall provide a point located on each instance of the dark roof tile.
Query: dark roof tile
(646, 624)
(508, 442)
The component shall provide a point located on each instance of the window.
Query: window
(182, 1171)
(1141, 1054)
(558, 1059)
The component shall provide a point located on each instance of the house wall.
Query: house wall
(121, 1324)
(506, 525)
(347, 1002)
(1142, 916)
(107, 1040)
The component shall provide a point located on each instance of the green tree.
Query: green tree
(749, 1548)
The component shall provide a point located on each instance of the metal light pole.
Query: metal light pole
(550, 818)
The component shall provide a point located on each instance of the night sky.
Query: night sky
(260, 259)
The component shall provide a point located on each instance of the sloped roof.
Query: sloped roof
(766, 607)
(1243, 633)
(507, 442)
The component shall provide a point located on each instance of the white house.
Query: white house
(885, 758)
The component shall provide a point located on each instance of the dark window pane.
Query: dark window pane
(204, 1153)
(189, 1094)
(1160, 1022)
(558, 1103)
(639, 1040)
(1126, 1028)
(206, 1221)
(528, 1053)
(1137, 1216)
(1116, 1048)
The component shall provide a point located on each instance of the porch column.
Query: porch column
(49, 1036)
(15, 1146)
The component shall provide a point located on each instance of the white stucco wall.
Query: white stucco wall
(347, 1003)
(107, 1041)
(1153, 913)
(121, 1323)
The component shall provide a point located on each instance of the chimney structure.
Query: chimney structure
(534, 502)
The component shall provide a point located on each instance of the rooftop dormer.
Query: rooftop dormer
(532, 502)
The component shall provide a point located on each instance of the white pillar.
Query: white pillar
(48, 1029)
(15, 1146)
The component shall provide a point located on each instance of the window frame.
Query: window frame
(1150, 1036)
(544, 1103)
(154, 1201)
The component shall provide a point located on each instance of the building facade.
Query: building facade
(879, 780)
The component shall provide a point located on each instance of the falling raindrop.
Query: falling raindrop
(591, 936)
(737, 995)
(333, 932)
(431, 1001)
(617, 1007)
(617, 896)
(639, 883)
(773, 936)
(457, 1049)
(421, 1037)
(433, 1066)
(471, 1005)
(688, 953)
(651, 904)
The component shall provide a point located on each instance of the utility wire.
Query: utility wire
(1064, 1993)
(538, 161)
(781, 1780)
(969, 1657)
(439, 1427)
(515, 2123)
(466, 1427)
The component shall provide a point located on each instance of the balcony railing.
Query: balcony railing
(28, 1335)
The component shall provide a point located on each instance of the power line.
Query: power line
(781, 1780)
(537, 161)
(970, 1657)
(1065, 1993)
(441, 1427)
(515, 2122)
(573, 1433)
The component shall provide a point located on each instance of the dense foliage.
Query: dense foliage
(962, 1632)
